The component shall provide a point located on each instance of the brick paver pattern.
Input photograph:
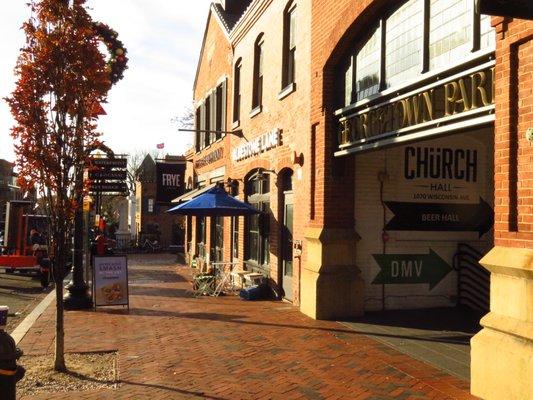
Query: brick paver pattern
(172, 346)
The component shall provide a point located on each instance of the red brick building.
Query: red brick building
(151, 218)
(388, 144)
(254, 67)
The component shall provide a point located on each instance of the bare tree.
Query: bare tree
(186, 118)
(134, 163)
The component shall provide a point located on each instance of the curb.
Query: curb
(23, 328)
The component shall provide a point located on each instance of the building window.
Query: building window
(450, 31)
(235, 237)
(208, 111)
(151, 206)
(198, 137)
(221, 109)
(217, 239)
(404, 35)
(257, 100)
(258, 225)
(200, 236)
(237, 91)
(289, 45)
(410, 40)
(367, 66)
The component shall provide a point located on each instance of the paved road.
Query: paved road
(21, 293)
(174, 346)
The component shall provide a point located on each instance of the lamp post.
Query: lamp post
(78, 297)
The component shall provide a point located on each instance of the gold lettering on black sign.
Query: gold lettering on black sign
(458, 96)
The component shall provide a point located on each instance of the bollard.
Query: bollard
(10, 372)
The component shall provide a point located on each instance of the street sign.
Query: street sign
(440, 217)
(108, 187)
(109, 162)
(120, 175)
(411, 268)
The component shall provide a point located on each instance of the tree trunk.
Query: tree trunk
(59, 266)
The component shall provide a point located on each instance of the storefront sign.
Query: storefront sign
(110, 277)
(439, 103)
(210, 158)
(170, 181)
(257, 145)
(425, 162)
(411, 268)
(440, 217)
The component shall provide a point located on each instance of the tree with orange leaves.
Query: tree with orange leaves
(62, 78)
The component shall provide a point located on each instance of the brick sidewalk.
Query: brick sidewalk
(174, 346)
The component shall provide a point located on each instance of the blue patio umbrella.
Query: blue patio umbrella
(215, 202)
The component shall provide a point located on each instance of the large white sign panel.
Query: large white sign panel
(110, 281)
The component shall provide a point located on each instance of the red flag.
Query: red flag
(160, 146)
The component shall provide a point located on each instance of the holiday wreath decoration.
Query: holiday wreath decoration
(117, 63)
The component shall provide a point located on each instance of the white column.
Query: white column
(123, 233)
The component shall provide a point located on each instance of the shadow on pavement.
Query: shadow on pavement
(159, 292)
(457, 339)
(456, 319)
(184, 392)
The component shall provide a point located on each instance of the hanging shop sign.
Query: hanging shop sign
(411, 268)
(170, 180)
(257, 145)
(210, 158)
(110, 281)
(456, 100)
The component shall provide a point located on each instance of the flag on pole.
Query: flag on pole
(160, 146)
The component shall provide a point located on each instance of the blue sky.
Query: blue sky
(163, 38)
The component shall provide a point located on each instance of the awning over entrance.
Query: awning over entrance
(192, 194)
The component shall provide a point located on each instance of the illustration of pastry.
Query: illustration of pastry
(112, 292)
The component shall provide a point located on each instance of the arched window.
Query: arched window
(258, 225)
(289, 45)
(418, 37)
(257, 100)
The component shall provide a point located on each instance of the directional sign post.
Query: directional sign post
(411, 268)
(440, 217)
(109, 187)
(108, 175)
(109, 162)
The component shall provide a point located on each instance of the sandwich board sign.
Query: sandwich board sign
(110, 281)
